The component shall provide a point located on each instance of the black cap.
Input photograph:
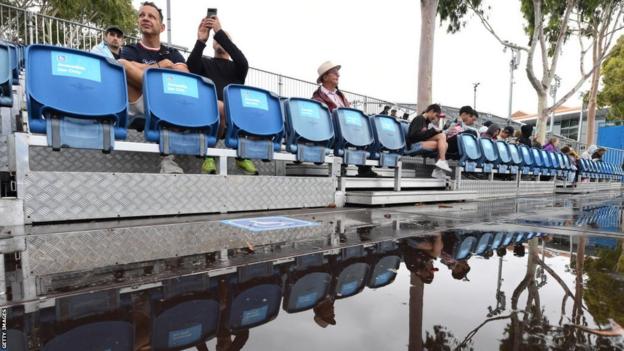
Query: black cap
(114, 29)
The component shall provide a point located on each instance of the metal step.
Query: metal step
(402, 197)
(421, 183)
(11, 212)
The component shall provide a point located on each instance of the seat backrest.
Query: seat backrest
(514, 153)
(545, 158)
(351, 280)
(306, 292)
(308, 121)
(405, 127)
(5, 64)
(254, 306)
(503, 152)
(537, 157)
(388, 134)
(181, 100)
(489, 150)
(526, 154)
(74, 83)
(554, 160)
(563, 160)
(352, 128)
(252, 111)
(185, 324)
(384, 271)
(468, 147)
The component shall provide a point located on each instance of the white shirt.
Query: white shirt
(333, 96)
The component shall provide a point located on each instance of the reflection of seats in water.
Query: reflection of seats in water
(307, 283)
(94, 321)
(465, 247)
(384, 264)
(484, 243)
(185, 312)
(18, 328)
(350, 270)
(498, 240)
(77, 98)
(254, 298)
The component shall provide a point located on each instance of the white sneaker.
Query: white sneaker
(443, 165)
(438, 174)
(168, 165)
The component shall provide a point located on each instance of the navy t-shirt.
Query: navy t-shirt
(139, 53)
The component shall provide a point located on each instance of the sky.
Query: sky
(377, 44)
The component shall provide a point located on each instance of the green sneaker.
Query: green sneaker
(247, 166)
(209, 167)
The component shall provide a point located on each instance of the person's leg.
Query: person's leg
(442, 145)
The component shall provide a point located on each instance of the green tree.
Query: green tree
(612, 93)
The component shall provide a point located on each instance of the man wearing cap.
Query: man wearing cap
(111, 45)
(430, 138)
(329, 94)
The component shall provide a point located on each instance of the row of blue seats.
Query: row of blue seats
(480, 243)
(187, 311)
(11, 63)
(599, 170)
(79, 100)
(488, 155)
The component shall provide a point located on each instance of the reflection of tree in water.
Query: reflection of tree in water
(442, 340)
(531, 330)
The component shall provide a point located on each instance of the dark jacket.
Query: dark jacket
(222, 72)
(320, 96)
(526, 131)
(419, 131)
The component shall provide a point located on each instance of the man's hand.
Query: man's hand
(166, 63)
(213, 22)
(203, 30)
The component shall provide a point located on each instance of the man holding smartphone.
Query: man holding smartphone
(228, 66)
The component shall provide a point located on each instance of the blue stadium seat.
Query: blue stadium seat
(504, 156)
(255, 297)
(309, 129)
(307, 283)
(538, 164)
(184, 312)
(584, 170)
(385, 265)
(15, 60)
(526, 154)
(554, 163)
(354, 136)
(469, 152)
(389, 140)
(254, 113)
(519, 237)
(489, 153)
(508, 239)
(94, 321)
(466, 247)
(546, 162)
(516, 158)
(77, 98)
(181, 111)
(6, 82)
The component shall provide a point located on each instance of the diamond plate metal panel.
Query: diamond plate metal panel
(536, 187)
(4, 153)
(86, 250)
(58, 196)
(486, 188)
(76, 160)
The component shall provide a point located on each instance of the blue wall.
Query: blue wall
(612, 137)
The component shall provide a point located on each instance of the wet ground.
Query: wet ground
(534, 273)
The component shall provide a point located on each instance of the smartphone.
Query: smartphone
(211, 12)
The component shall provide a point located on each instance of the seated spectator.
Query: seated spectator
(597, 155)
(506, 134)
(491, 132)
(587, 154)
(329, 94)
(228, 66)
(430, 138)
(385, 110)
(552, 144)
(526, 132)
(405, 116)
(148, 53)
(111, 45)
(570, 154)
(464, 124)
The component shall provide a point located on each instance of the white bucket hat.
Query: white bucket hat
(324, 68)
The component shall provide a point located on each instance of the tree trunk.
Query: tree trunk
(593, 93)
(542, 118)
(416, 313)
(428, 14)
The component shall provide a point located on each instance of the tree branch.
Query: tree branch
(529, 67)
(489, 28)
(562, 33)
(473, 332)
